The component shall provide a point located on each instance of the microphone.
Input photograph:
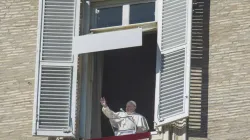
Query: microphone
(122, 110)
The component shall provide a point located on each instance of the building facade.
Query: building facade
(219, 71)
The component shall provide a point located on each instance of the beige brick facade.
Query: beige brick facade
(222, 73)
(228, 85)
(229, 70)
(18, 24)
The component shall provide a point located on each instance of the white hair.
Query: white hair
(132, 102)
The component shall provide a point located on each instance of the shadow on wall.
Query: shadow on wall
(198, 120)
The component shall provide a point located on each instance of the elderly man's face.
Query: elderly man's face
(130, 108)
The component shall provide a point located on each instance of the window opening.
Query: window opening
(143, 12)
(129, 74)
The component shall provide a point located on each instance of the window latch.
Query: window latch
(97, 11)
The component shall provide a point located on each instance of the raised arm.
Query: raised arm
(106, 111)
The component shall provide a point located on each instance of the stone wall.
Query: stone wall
(226, 104)
(18, 31)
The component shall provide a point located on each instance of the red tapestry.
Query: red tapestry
(127, 137)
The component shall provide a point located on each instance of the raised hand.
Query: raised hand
(103, 102)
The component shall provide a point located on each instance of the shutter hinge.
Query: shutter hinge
(97, 11)
(158, 111)
(68, 130)
(37, 120)
(88, 2)
(157, 127)
(36, 124)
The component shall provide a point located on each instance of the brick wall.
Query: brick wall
(228, 72)
(18, 24)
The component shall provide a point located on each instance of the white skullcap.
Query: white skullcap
(132, 102)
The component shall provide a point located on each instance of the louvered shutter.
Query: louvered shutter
(173, 60)
(56, 69)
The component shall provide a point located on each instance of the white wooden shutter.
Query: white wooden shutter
(173, 60)
(56, 69)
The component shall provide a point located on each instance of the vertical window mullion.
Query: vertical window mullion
(156, 10)
(125, 14)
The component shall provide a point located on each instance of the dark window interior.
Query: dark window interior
(107, 17)
(143, 12)
(129, 74)
(112, 16)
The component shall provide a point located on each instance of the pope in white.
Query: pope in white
(128, 122)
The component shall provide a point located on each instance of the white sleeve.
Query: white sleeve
(142, 124)
(113, 116)
(109, 113)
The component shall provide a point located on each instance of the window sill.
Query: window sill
(146, 26)
(153, 133)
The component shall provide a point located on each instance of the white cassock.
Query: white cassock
(123, 121)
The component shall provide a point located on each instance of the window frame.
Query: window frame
(87, 23)
(125, 11)
(158, 17)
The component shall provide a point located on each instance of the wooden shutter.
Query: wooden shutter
(173, 60)
(56, 69)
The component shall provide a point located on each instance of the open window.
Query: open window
(152, 39)
(129, 74)
(120, 45)
(169, 23)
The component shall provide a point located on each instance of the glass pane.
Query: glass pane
(143, 12)
(109, 17)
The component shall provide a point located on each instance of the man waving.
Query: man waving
(128, 122)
